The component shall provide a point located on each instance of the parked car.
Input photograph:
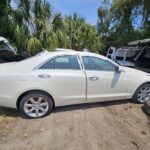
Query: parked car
(147, 107)
(64, 77)
(8, 53)
(135, 55)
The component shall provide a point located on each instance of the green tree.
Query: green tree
(81, 34)
(31, 26)
(120, 22)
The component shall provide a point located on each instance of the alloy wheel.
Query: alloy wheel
(36, 107)
(143, 94)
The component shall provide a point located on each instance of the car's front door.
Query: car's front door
(63, 77)
(103, 81)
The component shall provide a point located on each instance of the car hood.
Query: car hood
(134, 71)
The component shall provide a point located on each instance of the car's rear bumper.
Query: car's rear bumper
(7, 101)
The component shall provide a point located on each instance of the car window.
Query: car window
(110, 51)
(48, 65)
(94, 63)
(62, 62)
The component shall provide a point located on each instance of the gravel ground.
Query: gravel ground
(102, 126)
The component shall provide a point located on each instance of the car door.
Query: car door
(103, 81)
(63, 77)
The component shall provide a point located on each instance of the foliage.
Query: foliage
(81, 35)
(122, 21)
(31, 25)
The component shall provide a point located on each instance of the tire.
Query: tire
(36, 105)
(142, 94)
(147, 107)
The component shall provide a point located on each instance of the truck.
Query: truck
(135, 55)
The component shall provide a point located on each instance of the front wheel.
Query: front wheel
(142, 94)
(36, 105)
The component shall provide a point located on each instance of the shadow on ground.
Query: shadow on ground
(5, 112)
(145, 111)
(9, 112)
(147, 115)
(89, 106)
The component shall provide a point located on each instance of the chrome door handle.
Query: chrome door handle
(44, 76)
(93, 78)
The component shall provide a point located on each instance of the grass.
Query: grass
(8, 111)
(6, 116)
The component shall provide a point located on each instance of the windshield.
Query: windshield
(127, 55)
(131, 55)
(120, 53)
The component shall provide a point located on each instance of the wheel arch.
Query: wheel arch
(141, 85)
(138, 88)
(29, 91)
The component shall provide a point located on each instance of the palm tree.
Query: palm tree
(81, 34)
(32, 26)
(5, 19)
(30, 30)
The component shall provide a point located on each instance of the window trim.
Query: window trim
(97, 58)
(40, 65)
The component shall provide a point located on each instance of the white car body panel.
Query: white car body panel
(110, 86)
(67, 86)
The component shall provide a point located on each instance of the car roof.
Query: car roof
(139, 41)
(59, 51)
(32, 62)
(73, 52)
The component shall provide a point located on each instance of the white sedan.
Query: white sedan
(64, 77)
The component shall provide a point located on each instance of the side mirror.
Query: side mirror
(119, 69)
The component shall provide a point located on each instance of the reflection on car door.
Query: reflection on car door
(103, 82)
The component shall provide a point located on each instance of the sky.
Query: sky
(84, 8)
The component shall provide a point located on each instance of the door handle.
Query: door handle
(44, 76)
(93, 78)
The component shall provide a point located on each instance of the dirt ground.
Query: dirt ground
(101, 126)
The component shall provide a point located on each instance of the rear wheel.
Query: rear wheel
(142, 94)
(36, 105)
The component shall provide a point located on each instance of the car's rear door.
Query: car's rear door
(63, 77)
(103, 81)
